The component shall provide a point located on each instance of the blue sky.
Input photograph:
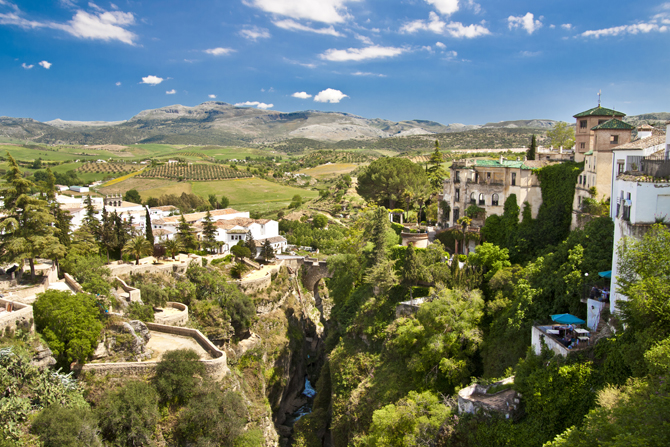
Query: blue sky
(465, 61)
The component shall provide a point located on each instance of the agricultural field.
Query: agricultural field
(109, 168)
(329, 170)
(142, 185)
(193, 172)
(252, 194)
(176, 188)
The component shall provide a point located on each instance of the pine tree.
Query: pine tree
(26, 228)
(107, 233)
(436, 173)
(209, 231)
(268, 252)
(185, 235)
(251, 244)
(149, 229)
(530, 155)
(90, 221)
(411, 272)
(380, 225)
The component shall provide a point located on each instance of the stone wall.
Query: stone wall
(475, 399)
(48, 276)
(255, 285)
(538, 336)
(134, 294)
(72, 283)
(217, 367)
(125, 269)
(179, 319)
(21, 315)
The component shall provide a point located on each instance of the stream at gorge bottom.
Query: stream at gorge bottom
(309, 393)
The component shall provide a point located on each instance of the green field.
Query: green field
(252, 194)
(329, 170)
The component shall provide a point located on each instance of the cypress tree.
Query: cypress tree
(530, 154)
(149, 231)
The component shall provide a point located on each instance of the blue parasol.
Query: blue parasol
(607, 274)
(567, 319)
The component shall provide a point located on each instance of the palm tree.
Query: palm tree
(173, 247)
(138, 246)
(464, 222)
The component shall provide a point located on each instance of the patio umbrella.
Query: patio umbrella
(567, 319)
(607, 274)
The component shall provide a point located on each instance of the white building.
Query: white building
(640, 192)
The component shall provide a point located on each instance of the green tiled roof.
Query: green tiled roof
(599, 111)
(589, 152)
(504, 164)
(614, 124)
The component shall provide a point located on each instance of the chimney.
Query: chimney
(501, 159)
(644, 131)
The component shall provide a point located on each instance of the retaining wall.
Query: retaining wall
(255, 285)
(179, 319)
(125, 269)
(48, 276)
(133, 293)
(217, 367)
(22, 314)
(72, 283)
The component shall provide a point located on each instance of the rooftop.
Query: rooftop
(599, 111)
(642, 143)
(527, 164)
(613, 124)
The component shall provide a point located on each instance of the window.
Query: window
(457, 195)
(481, 199)
(513, 178)
(582, 124)
(473, 198)
(620, 167)
(614, 139)
(582, 145)
(495, 199)
(457, 176)
(456, 216)
(601, 121)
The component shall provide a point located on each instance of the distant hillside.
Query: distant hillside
(219, 123)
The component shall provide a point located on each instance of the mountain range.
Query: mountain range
(220, 123)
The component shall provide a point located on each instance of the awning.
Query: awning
(607, 274)
(567, 319)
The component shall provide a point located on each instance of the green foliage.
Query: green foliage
(142, 312)
(413, 421)
(213, 417)
(137, 247)
(562, 135)
(59, 426)
(240, 251)
(319, 221)
(438, 343)
(304, 234)
(386, 180)
(490, 258)
(239, 270)
(89, 271)
(69, 323)
(128, 416)
(132, 195)
(532, 148)
(474, 212)
(177, 376)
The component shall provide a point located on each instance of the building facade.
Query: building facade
(584, 130)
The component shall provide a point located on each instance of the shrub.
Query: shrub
(176, 373)
(58, 426)
(142, 312)
(129, 415)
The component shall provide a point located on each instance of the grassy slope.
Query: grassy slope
(330, 170)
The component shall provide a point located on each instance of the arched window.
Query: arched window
(473, 198)
(495, 199)
(481, 199)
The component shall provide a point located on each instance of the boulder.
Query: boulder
(141, 329)
(43, 357)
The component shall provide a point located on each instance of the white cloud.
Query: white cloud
(440, 45)
(26, 66)
(301, 95)
(449, 55)
(364, 39)
(438, 26)
(526, 22)
(118, 84)
(97, 25)
(530, 53)
(46, 64)
(446, 7)
(325, 11)
(211, 96)
(365, 73)
(171, 92)
(359, 54)
(626, 29)
(152, 80)
(330, 95)
(258, 105)
(254, 33)
(457, 29)
(219, 51)
(68, 3)
(567, 26)
(291, 61)
(292, 25)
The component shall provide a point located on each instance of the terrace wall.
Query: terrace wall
(217, 367)
(538, 336)
(22, 315)
(179, 319)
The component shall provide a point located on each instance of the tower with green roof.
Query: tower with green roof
(586, 121)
